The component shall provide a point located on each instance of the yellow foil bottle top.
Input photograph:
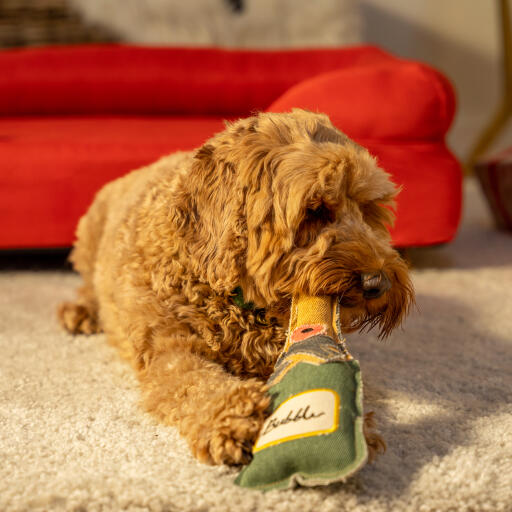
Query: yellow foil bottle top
(315, 315)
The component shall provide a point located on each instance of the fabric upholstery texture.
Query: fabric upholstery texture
(73, 118)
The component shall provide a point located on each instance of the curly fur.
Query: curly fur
(277, 204)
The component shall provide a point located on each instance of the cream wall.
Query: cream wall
(459, 37)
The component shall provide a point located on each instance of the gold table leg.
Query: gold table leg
(500, 118)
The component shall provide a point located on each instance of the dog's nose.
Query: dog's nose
(374, 284)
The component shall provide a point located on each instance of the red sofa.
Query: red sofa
(73, 118)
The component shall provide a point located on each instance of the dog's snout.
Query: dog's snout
(374, 284)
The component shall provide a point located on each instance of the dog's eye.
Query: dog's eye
(315, 220)
(321, 213)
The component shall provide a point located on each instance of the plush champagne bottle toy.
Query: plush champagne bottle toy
(315, 432)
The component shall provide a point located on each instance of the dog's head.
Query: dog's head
(288, 204)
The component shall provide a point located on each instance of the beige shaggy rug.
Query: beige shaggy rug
(72, 436)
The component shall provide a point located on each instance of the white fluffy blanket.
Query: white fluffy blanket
(260, 24)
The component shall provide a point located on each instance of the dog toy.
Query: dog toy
(315, 434)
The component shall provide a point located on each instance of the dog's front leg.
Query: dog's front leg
(219, 414)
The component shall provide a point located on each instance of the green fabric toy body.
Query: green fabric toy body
(315, 433)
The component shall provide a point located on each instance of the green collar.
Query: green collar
(237, 296)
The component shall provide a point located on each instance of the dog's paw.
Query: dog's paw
(235, 425)
(374, 441)
(77, 318)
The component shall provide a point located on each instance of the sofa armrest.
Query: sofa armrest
(394, 100)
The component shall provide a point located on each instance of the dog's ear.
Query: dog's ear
(217, 233)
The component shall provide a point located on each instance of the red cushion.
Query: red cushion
(137, 80)
(429, 204)
(55, 166)
(393, 100)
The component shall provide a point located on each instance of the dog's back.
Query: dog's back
(112, 211)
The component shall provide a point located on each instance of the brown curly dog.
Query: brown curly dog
(275, 204)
